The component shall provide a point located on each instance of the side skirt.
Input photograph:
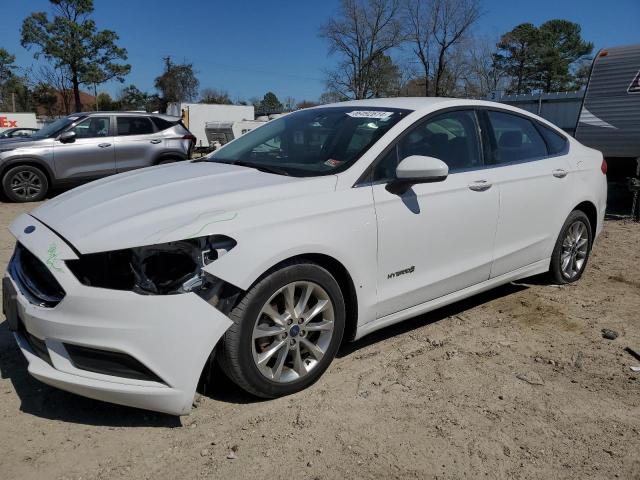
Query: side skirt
(532, 269)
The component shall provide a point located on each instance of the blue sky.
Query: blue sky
(250, 47)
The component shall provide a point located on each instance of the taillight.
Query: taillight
(189, 137)
(603, 167)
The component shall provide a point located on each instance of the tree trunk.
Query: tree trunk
(76, 92)
(439, 72)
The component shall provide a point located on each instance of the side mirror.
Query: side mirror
(417, 169)
(67, 137)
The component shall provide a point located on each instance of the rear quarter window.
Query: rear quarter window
(555, 142)
(163, 124)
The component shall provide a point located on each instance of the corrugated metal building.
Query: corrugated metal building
(561, 109)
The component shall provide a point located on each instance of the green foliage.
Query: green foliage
(547, 58)
(7, 65)
(560, 46)
(178, 83)
(132, 98)
(71, 41)
(517, 56)
(106, 103)
(14, 89)
(270, 103)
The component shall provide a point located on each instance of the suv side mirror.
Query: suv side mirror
(67, 137)
(417, 169)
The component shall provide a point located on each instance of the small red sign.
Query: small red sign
(6, 123)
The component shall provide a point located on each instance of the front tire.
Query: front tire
(572, 249)
(25, 183)
(286, 330)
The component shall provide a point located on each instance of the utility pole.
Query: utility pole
(13, 101)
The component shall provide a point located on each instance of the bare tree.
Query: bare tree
(289, 104)
(213, 95)
(435, 29)
(361, 34)
(484, 75)
(60, 79)
(419, 24)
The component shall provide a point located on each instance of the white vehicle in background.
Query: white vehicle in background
(221, 133)
(195, 117)
(318, 227)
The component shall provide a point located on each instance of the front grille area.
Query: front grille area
(34, 279)
(109, 363)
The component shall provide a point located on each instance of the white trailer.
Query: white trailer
(18, 120)
(196, 115)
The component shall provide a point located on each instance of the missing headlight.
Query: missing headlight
(163, 269)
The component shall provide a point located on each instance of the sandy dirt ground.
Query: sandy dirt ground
(516, 383)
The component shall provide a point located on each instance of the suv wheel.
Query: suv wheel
(25, 183)
(287, 330)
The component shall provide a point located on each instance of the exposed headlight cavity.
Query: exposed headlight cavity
(163, 269)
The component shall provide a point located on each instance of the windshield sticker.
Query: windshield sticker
(332, 163)
(369, 114)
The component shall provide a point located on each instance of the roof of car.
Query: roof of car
(412, 103)
(416, 103)
(170, 118)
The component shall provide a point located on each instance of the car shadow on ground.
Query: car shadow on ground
(434, 316)
(47, 402)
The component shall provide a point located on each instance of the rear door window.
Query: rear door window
(516, 138)
(134, 126)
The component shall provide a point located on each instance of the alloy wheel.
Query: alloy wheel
(574, 250)
(293, 331)
(26, 184)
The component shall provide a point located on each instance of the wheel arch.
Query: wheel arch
(590, 210)
(31, 162)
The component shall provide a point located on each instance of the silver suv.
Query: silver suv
(86, 146)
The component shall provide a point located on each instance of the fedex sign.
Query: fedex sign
(6, 123)
(17, 120)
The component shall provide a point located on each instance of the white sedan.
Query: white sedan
(318, 227)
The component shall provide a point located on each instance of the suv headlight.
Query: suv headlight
(163, 269)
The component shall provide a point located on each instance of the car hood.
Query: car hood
(13, 143)
(166, 203)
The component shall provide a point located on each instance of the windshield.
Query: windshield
(52, 129)
(319, 141)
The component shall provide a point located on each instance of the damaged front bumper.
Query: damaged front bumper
(145, 351)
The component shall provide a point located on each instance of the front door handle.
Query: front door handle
(104, 145)
(155, 141)
(480, 185)
(559, 173)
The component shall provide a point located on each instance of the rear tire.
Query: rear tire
(572, 249)
(298, 347)
(25, 183)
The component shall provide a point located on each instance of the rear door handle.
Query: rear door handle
(559, 173)
(480, 185)
(155, 141)
(104, 145)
